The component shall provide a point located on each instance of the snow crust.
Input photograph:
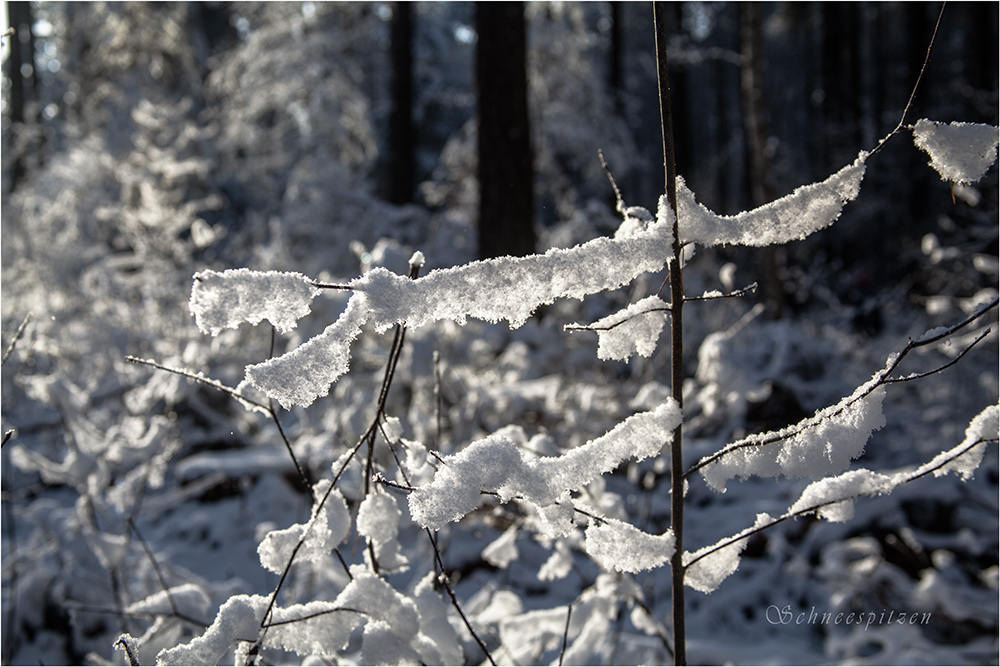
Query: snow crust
(790, 218)
(982, 428)
(616, 545)
(238, 618)
(511, 288)
(505, 288)
(960, 152)
(327, 528)
(301, 376)
(496, 464)
(225, 300)
(633, 330)
(819, 445)
(706, 574)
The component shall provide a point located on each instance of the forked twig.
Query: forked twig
(247, 402)
(916, 85)
(883, 377)
(808, 510)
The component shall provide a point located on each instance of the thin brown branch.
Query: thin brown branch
(215, 384)
(675, 274)
(752, 287)
(916, 85)
(443, 580)
(198, 377)
(315, 615)
(608, 327)
(882, 378)
(619, 202)
(565, 638)
(917, 376)
(123, 644)
(749, 532)
(17, 336)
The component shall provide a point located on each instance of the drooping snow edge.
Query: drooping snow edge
(790, 218)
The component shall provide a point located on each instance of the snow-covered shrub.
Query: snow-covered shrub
(148, 507)
(557, 493)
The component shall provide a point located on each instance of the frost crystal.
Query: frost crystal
(225, 300)
(960, 152)
(790, 218)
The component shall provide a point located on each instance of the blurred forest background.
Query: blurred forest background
(380, 99)
(145, 141)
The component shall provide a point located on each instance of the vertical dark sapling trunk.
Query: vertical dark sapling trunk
(676, 340)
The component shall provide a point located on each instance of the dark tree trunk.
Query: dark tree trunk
(506, 175)
(21, 74)
(758, 163)
(402, 148)
(616, 51)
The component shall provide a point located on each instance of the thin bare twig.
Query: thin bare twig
(808, 510)
(124, 645)
(315, 615)
(675, 275)
(17, 336)
(443, 580)
(215, 384)
(882, 377)
(619, 202)
(666, 308)
(565, 638)
(916, 85)
(752, 287)
(156, 566)
(198, 377)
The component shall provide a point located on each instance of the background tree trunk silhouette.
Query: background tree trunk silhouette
(21, 74)
(402, 147)
(506, 174)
